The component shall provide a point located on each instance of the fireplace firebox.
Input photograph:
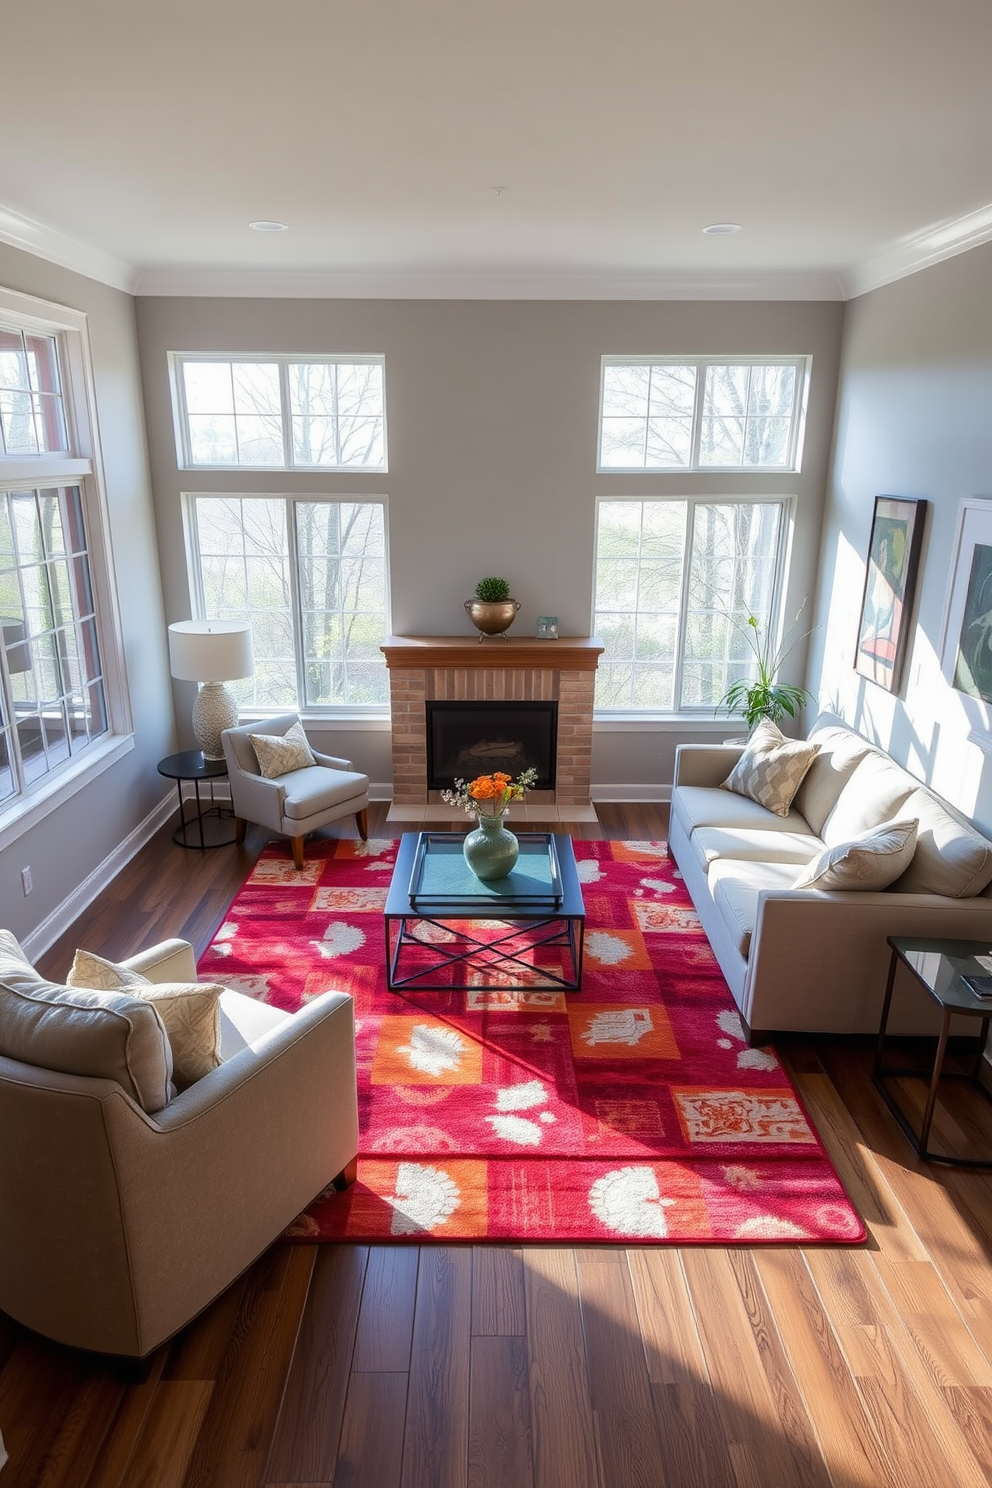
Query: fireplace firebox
(465, 739)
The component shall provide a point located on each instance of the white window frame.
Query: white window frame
(323, 711)
(81, 466)
(803, 366)
(787, 505)
(177, 360)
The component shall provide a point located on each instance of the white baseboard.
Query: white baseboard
(56, 924)
(632, 793)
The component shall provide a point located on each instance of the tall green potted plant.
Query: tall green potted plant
(763, 696)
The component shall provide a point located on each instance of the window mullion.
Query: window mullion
(688, 544)
(287, 415)
(296, 600)
(697, 416)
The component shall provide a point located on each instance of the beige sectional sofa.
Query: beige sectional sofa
(804, 959)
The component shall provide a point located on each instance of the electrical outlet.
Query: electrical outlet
(26, 883)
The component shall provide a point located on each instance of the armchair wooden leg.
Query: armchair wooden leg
(362, 818)
(240, 828)
(297, 851)
(347, 1175)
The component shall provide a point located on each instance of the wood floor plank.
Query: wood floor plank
(435, 1447)
(233, 1445)
(745, 1397)
(692, 1447)
(615, 1361)
(118, 1445)
(498, 1303)
(197, 1352)
(563, 1429)
(629, 1448)
(669, 1333)
(945, 1342)
(848, 1443)
(305, 1442)
(371, 1452)
(169, 1435)
(499, 1450)
(385, 1319)
(37, 1388)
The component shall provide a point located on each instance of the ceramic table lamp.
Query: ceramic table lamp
(211, 652)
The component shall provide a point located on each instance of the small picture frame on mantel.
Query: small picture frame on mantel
(547, 628)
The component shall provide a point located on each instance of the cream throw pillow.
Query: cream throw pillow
(771, 769)
(189, 1010)
(872, 861)
(277, 754)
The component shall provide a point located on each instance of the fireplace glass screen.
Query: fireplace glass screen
(469, 739)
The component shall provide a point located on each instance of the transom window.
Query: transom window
(310, 577)
(32, 409)
(675, 583)
(280, 412)
(704, 414)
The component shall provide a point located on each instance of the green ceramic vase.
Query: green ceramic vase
(490, 850)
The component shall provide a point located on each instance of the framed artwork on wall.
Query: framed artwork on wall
(890, 585)
(966, 648)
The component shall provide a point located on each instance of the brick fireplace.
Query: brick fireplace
(461, 668)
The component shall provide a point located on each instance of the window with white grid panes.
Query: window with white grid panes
(309, 575)
(277, 412)
(702, 413)
(676, 581)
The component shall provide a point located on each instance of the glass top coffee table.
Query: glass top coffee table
(447, 930)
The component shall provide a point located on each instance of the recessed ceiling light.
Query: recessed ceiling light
(719, 229)
(263, 226)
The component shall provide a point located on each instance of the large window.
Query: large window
(280, 412)
(676, 580)
(310, 576)
(704, 414)
(55, 698)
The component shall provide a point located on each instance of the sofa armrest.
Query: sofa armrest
(705, 764)
(331, 761)
(258, 800)
(171, 961)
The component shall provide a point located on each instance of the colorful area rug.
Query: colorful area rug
(633, 1111)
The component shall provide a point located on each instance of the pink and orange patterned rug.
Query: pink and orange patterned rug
(632, 1112)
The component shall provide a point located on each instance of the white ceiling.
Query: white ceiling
(852, 139)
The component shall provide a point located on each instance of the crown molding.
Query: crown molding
(919, 251)
(410, 284)
(69, 253)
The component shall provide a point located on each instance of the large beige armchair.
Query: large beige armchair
(117, 1227)
(299, 801)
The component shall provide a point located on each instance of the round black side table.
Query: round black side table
(209, 826)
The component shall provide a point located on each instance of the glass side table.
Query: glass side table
(207, 826)
(939, 966)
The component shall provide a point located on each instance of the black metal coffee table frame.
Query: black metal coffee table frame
(529, 927)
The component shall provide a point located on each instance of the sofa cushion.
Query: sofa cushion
(706, 806)
(735, 887)
(277, 754)
(189, 1010)
(875, 793)
(838, 757)
(316, 789)
(951, 857)
(771, 768)
(871, 862)
(104, 1035)
(751, 844)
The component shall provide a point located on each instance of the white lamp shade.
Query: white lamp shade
(210, 650)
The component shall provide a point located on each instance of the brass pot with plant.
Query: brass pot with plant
(492, 611)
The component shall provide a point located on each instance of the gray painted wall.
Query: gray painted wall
(492, 411)
(914, 419)
(72, 842)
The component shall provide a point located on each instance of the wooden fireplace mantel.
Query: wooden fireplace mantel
(567, 654)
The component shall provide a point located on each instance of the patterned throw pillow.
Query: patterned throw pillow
(189, 1011)
(277, 754)
(871, 862)
(771, 769)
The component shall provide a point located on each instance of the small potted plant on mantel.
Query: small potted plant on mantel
(755, 698)
(492, 611)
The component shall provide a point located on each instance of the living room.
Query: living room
(493, 406)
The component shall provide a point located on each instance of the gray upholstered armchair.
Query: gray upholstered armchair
(301, 800)
(118, 1226)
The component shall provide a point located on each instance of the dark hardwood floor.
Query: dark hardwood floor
(546, 1367)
